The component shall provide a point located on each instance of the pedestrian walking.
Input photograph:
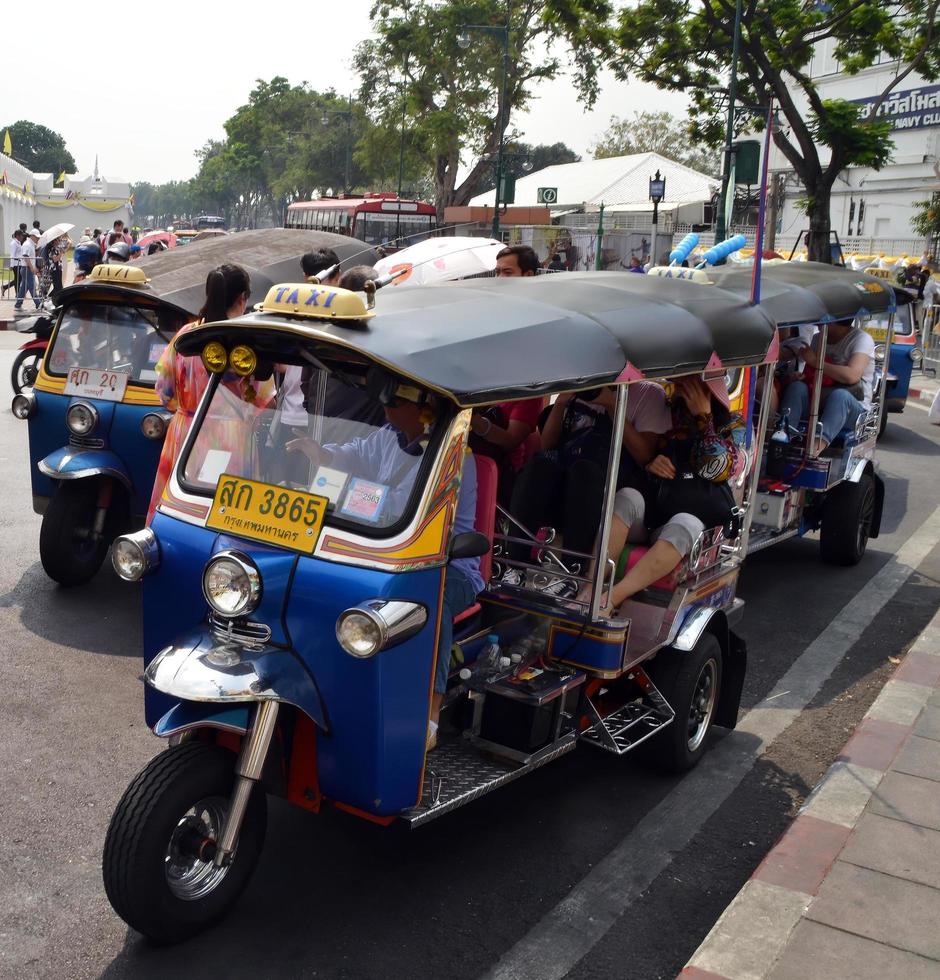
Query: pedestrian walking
(16, 261)
(53, 259)
(29, 273)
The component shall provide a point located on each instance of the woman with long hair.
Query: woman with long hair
(181, 381)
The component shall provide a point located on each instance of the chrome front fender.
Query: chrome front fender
(76, 464)
(204, 668)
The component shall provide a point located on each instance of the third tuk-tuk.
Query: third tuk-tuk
(292, 612)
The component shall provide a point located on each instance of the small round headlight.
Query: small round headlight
(242, 360)
(133, 555)
(917, 355)
(358, 633)
(81, 418)
(231, 584)
(23, 405)
(880, 351)
(214, 357)
(153, 425)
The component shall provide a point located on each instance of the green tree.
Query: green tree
(523, 159)
(454, 101)
(687, 47)
(40, 149)
(656, 132)
(926, 218)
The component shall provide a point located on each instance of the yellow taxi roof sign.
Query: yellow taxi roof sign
(315, 302)
(126, 275)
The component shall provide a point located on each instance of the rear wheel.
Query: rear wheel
(26, 369)
(690, 682)
(883, 424)
(70, 550)
(157, 862)
(846, 522)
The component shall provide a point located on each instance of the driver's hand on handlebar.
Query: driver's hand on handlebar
(304, 444)
(662, 467)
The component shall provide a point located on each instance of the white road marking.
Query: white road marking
(916, 404)
(569, 931)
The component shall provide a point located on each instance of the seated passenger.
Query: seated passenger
(500, 432)
(391, 456)
(563, 486)
(848, 372)
(690, 491)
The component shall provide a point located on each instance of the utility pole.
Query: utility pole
(598, 252)
(720, 228)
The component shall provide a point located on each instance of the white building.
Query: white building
(872, 209)
(621, 184)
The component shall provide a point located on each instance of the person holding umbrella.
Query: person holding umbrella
(53, 244)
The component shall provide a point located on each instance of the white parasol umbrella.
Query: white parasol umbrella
(437, 259)
(51, 234)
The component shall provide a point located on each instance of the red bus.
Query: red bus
(376, 219)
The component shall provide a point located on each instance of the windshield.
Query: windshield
(877, 326)
(112, 337)
(375, 229)
(314, 433)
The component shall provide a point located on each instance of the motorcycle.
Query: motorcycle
(29, 358)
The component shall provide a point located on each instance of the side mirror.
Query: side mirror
(470, 544)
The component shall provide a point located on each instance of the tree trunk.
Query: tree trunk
(819, 223)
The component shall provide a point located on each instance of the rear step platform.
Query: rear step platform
(457, 772)
(636, 721)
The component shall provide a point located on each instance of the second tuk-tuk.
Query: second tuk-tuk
(292, 600)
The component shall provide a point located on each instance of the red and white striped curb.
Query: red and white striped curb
(749, 938)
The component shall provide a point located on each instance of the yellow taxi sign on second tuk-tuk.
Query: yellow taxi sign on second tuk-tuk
(316, 302)
(127, 275)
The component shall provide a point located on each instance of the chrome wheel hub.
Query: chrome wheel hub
(704, 698)
(190, 872)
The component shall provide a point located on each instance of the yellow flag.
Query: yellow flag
(7, 143)
(61, 178)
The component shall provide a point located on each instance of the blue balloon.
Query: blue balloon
(684, 249)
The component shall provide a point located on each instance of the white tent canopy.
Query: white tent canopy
(619, 183)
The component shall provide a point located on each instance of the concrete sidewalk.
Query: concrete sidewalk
(852, 889)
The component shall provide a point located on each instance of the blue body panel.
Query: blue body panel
(118, 427)
(376, 710)
(900, 367)
(72, 463)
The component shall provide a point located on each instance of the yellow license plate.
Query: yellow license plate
(264, 512)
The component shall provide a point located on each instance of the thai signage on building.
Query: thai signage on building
(915, 108)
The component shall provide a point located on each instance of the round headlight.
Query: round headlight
(358, 633)
(23, 405)
(133, 555)
(231, 584)
(153, 425)
(81, 418)
(214, 357)
(242, 360)
(880, 350)
(917, 355)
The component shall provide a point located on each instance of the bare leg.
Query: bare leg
(663, 557)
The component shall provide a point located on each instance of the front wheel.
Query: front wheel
(691, 683)
(846, 521)
(26, 369)
(70, 547)
(157, 863)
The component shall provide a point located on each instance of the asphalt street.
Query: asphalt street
(589, 868)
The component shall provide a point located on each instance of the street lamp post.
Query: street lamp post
(348, 115)
(657, 193)
(463, 40)
(720, 224)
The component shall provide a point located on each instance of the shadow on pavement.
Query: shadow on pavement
(100, 617)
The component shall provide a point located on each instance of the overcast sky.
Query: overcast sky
(180, 69)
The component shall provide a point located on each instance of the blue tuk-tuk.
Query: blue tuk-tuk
(96, 425)
(291, 613)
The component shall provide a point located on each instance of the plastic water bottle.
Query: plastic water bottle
(777, 451)
(490, 655)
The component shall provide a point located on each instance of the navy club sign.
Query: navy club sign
(915, 108)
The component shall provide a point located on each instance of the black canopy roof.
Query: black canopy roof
(178, 275)
(789, 291)
(483, 340)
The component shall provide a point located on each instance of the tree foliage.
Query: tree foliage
(687, 48)
(522, 158)
(657, 132)
(926, 218)
(456, 103)
(39, 148)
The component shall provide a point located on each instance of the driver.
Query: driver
(391, 455)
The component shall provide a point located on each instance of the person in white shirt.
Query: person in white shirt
(28, 272)
(848, 368)
(16, 261)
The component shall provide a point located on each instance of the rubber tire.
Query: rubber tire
(72, 505)
(883, 424)
(842, 538)
(676, 673)
(135, 846)
(22, 362)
